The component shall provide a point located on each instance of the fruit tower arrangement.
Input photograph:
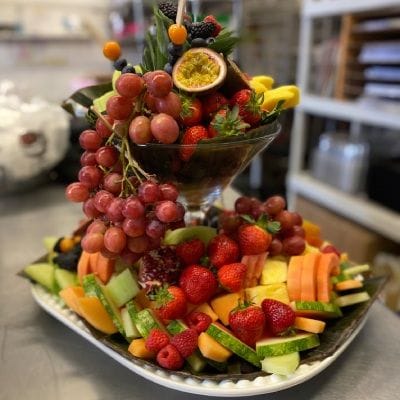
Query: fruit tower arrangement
(258, 288)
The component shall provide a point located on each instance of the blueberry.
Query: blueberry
(168, 68)
(175, 50)
(199, 42)
(129, 69)
(172, 59)
(120, 64)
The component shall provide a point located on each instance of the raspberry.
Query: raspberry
(198, 321)
(217, 26)
(170, 358)
(185, 342)
(156, 340)
(191, 251)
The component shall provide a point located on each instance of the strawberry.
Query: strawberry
(192, 111)
(227, 123)
(231, 276)
(279, 316)
(249, 103)
(170, 358)
(217, 26)
(185, 342)
(170, 302)
(192, 136)
(212, 103)
(191, 251)
(222, 250)
(253, 239)
(247, 322)
(198, 283)
(156, 340)
(198, 321)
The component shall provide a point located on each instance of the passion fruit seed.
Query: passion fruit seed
(199, 70)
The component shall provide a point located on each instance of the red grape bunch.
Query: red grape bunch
(290, 240)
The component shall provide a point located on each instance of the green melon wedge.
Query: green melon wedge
(123, 287)
(65, 278)
(350, 299)
(281, 365)
(316, 309)
(272, 347)
(42, 273)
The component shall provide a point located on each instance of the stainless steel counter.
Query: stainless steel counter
(42, 359)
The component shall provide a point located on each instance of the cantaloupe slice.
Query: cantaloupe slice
(309, 277)
(104, 268)
(70, 295)
(309, 325)
(211, 349)
(206, 309)
(84, 267)
(294, 277)
(347, 285)
(224, 304)
(96, 315)
(138, 349)
(328, 263)
(93, 261)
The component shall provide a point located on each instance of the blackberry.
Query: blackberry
(201, 30)
(120, 64)
(169, 9)
(157, 267)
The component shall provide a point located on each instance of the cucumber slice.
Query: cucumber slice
(196, 361)
(93, 287)
(228, 340)
(65, 278)
(122, 287)
(316, 309)
(131, 331)
(272, 347)
(204, 233)
(281, 365)
(350, 299)
(42, 273)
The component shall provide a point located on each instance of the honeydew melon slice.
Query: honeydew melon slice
(42, 273)
(350, 299)
(281, 365)
(272, 347)
(123, 287)
(65, 278)
(131, 331)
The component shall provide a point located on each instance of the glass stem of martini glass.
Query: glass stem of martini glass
(195, 216)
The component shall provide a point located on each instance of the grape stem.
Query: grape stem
(100, 115)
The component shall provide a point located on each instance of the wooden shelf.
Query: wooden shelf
(356, 208)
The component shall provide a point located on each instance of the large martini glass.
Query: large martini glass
(212, 167)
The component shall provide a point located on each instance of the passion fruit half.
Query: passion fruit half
(199, 70)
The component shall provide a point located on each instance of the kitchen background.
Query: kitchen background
(338, 157)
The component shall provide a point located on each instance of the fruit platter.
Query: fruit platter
(188, 294)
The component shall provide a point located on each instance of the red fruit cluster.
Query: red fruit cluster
(264, 234)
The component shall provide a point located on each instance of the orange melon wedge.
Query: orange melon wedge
(348, 285)
(309, 277)
(84, 265)
(328, 263)
(96, 315)
(138, 349)
(70, 295)
(294, 277)
(309, 325)
(104, 268)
